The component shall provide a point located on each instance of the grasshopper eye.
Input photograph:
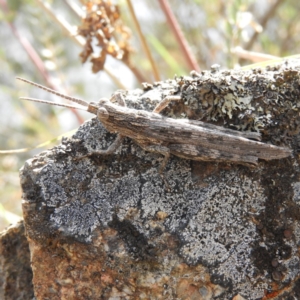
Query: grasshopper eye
(102, 114)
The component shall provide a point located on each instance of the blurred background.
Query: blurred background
(89, 49)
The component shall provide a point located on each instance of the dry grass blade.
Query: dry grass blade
(144, 42)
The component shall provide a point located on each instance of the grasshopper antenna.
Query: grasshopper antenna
(52, 103)
(73, 99)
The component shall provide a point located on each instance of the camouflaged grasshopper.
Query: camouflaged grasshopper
(189, 139)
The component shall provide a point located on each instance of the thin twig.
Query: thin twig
(263, 23)
(74, 8)
(144, 42)
(191, 60)
(251, 55)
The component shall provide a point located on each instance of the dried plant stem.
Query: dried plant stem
(191, 60)
(77, 11)
(263, 23)
(144, 42)
(252, 56)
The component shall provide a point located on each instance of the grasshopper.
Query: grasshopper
(188, 139)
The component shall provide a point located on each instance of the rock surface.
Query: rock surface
(15, 270)
(107, 227)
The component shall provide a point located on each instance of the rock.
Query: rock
(15, 269)
(107, 227)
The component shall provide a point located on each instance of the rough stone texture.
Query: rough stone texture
(108, 228)
(15, 270)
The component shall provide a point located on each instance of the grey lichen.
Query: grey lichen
(221, 231)
(296, 188)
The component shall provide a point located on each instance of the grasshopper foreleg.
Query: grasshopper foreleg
(110, 150)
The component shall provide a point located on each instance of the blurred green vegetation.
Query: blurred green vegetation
(39, 43)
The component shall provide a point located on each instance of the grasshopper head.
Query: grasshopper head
(94, 107)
